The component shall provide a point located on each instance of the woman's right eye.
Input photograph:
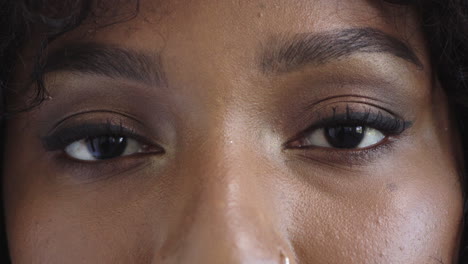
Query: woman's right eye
(103, 147)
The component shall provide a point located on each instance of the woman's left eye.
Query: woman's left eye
(341, 137)
(103, 147)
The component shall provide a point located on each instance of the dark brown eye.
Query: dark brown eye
(341, 137)
(106, 147)
(103, 147)
(347, 137)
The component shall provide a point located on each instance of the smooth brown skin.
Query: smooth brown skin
(227, 190)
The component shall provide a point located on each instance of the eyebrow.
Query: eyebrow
(285, 54)
(107, 60)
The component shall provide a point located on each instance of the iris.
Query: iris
(106, 147)
(345, 136)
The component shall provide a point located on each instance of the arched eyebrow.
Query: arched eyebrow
(288, 53)
(107, 60)
(281, 54)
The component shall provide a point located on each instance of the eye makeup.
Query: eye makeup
(349, 115)
(88, 127)
(366, 116)
(69, 134)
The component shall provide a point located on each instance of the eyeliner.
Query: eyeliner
(65, 136)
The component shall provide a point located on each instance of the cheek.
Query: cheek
(50, 222)
(56, 227)
(406, 213)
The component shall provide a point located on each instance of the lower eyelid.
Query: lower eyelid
(74, 171)
(89, 171)
(346, 157)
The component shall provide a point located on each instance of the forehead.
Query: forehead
(212, 47)
(231, 25)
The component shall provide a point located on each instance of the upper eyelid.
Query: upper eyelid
(369, 118)
(67, 135)
(126, 115)
(96, 120)
(366, 117)
(350, 101)
(323, 111)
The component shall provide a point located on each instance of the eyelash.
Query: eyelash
(64, 137)
(389, 125)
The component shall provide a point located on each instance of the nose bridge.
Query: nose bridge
(231, 216)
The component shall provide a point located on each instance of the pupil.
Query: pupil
(106, 147)
(344, 136)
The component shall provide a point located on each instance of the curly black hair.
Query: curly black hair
(444, 23)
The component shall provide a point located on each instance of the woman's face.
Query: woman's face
(236, 132)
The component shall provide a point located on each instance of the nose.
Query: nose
(229, 217)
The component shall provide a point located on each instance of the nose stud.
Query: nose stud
(284, 259)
